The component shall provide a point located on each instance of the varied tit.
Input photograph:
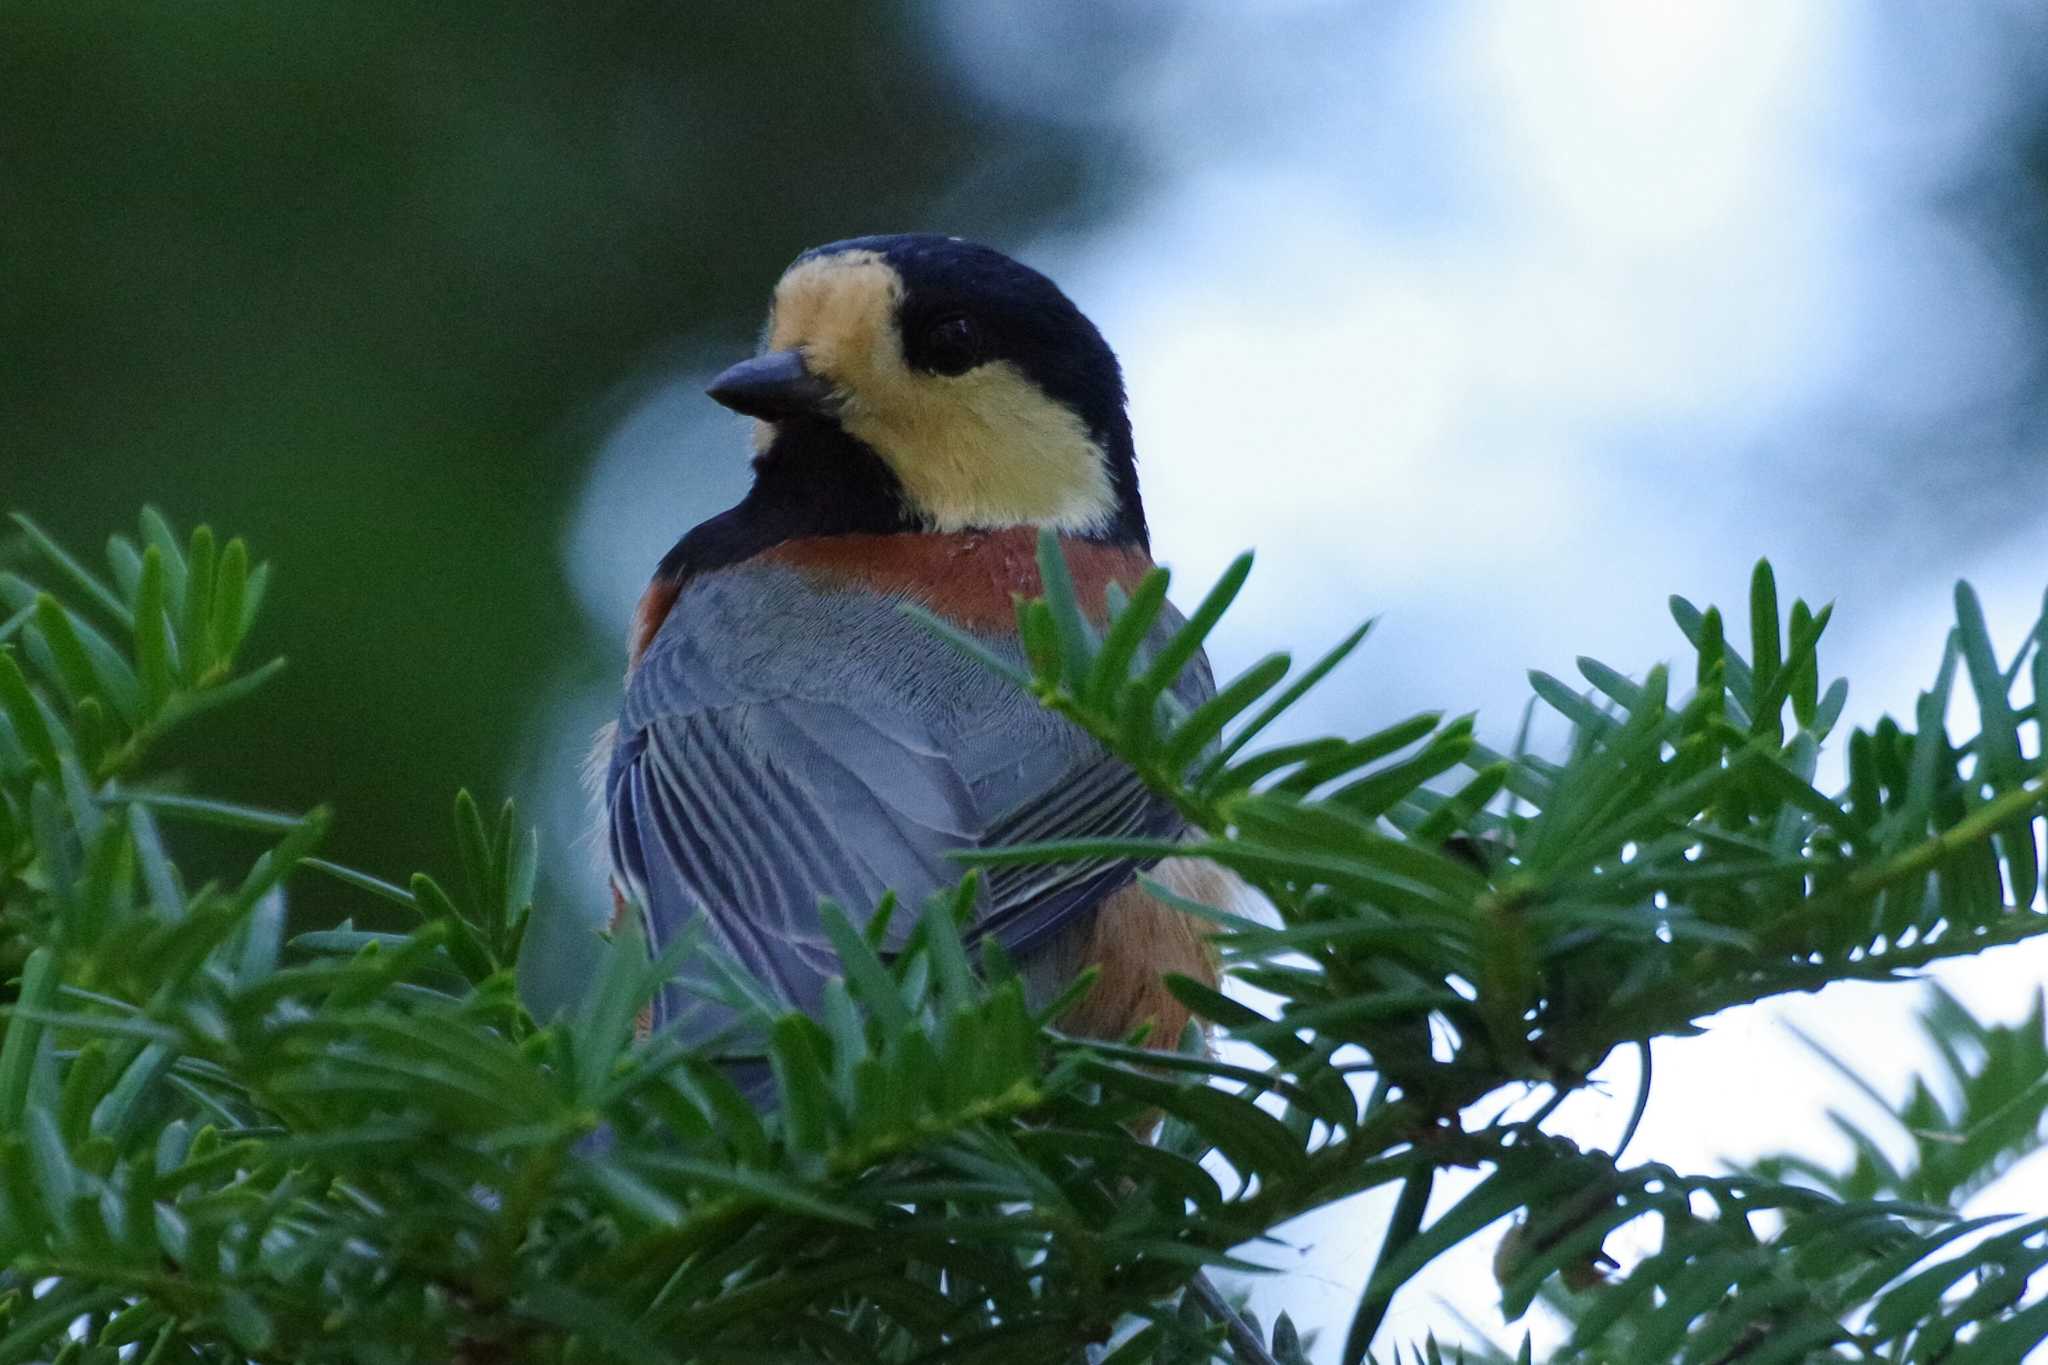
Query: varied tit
(923, 407)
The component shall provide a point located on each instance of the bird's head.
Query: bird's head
(965, 381)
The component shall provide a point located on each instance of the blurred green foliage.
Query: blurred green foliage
(349, 277)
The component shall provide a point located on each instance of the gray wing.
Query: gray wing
(771, 758)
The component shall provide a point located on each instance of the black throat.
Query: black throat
(813, 480)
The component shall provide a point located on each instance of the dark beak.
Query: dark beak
(774, 386)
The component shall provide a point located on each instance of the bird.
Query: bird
(923, 407)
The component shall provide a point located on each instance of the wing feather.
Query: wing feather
(745, 788)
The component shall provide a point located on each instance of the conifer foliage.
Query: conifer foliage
(221, 1141)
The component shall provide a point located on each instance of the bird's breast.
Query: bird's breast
(971, 578)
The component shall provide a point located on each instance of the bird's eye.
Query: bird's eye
(952, 344)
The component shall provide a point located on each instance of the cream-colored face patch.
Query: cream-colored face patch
(984, 448)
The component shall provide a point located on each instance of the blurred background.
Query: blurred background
(1499, 322)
